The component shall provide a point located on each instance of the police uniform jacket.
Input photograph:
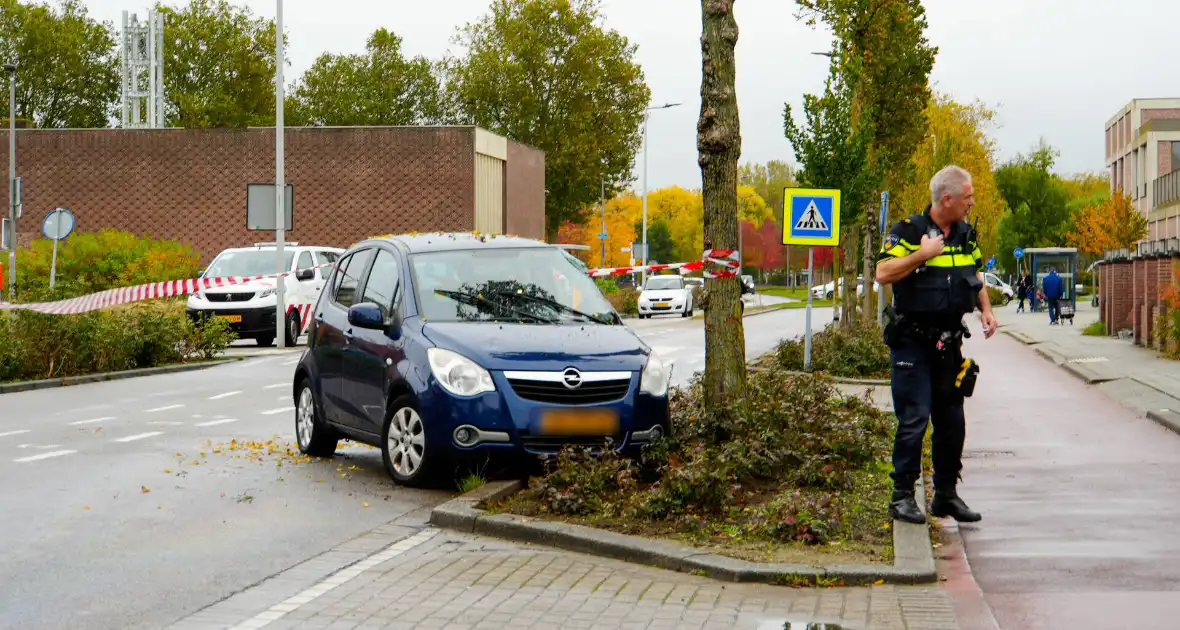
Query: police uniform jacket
(944, 288)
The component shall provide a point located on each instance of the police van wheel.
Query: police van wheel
(293, 329)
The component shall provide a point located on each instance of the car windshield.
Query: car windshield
(250, 262)
(536, 285)
(658, 283)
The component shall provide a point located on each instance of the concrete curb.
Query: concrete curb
(1087, 375)
(66, 381)
(913, 554)
(1052, 355)
(1167, 419)
(1021, 337)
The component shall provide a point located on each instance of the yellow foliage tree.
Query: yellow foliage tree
(1111, 224)
(957, 135)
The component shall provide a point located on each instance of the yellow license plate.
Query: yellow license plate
(661, 304)
(579, 422)
(233, 319)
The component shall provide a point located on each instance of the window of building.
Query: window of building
(1175, 156)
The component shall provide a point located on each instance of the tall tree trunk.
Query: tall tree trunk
(869, 314)
(719, 145)
(848, 288)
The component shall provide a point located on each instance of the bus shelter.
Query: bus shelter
(1043, 259)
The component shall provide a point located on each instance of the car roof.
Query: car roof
(271, 247)
(415, 243)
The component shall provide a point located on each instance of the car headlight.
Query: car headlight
(655, 376)
(457, 374)
(267, 292)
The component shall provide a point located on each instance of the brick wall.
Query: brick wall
(349, 182)
(1103, 291)
(1119, 302)
(1158, 114)
(1164, 158)
(1151, 300)
(524, 191)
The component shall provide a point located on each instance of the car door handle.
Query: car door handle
(348, 336)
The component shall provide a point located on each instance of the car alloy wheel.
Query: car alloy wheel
(312, 438)
(408, 459)
(293, 329)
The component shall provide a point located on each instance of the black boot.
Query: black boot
(947, 503)
(903, 506)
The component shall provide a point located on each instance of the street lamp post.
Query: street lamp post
(11, 69)
(280, 202)
(646, 255)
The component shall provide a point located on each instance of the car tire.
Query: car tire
(404, 442)
(294, 327)
(831, 294)
(311, 433)
(1007, 298)
(265, 341)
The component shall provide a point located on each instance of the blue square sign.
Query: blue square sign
(811, 216)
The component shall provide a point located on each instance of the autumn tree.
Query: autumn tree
(379, 87)
(1110, 224)
(67, 64)
(719, 145)
(957, 135)
(220, 65)
(883, 57)
(548, 73)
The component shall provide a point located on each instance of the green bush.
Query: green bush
(858, 351)
(783, 465)
(146, 334)
(1095, 329)
(995, 296)
(88, 262)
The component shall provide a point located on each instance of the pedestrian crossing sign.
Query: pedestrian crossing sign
(811, 216)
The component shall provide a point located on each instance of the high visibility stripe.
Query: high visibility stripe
(977, 255)
(897, 251)
(951, 260)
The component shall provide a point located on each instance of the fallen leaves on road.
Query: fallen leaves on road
(85, 507)
(144, 489)
(366, 504)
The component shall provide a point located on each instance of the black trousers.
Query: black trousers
(921, 395)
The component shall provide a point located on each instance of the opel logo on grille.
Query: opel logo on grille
(571, 378)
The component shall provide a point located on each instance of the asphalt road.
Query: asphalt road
(129, 504)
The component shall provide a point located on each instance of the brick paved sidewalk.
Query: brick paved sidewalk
(404, 576)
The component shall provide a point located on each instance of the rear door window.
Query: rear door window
(347, 277)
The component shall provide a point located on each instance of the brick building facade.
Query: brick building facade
(349, 182)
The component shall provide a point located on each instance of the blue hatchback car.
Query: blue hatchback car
(437, 347)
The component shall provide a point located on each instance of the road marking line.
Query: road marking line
(165, 423)
(139, 436)
(271, 412)
(275, 385)
(33, 458)
(8, 433)
(336, 579)
(38, 445)
(212, 423)
(225, 395)
(93, 420)
(163, 408)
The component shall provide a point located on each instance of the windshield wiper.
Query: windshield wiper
(555, 304)
(474, 299)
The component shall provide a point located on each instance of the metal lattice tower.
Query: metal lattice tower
(142, 86)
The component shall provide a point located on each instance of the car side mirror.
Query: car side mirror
(305, 274)
(366, 315)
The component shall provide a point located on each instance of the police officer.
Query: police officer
(933, 261)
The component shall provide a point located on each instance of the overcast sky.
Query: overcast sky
(1051, 68)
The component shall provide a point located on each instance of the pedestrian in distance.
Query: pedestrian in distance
(1054, 288)
(934, 263)
(1021, 293)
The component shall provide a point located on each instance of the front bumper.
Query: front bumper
(647, 307)
(506, 423)
(245, 322)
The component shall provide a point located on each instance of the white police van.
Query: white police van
(249, 308)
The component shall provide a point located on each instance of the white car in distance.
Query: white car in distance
(249, 308)
(663, 295)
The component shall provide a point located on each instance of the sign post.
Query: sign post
(56, 226)
(1018, 253)
(811, 217)
(881, 291)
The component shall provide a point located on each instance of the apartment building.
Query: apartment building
(1143, 158)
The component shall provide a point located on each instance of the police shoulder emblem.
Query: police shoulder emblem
(891, 241)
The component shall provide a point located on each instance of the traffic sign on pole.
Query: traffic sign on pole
(811, 216)
(57, 225)
(1018, 253)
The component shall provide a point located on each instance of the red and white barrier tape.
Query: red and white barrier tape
(723, 257)
(127, 295)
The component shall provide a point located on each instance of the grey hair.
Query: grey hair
(948, 181)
